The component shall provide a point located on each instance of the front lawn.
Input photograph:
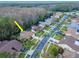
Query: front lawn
(52, 24)
(22, 54)
(36, 43)
(47, 28)
(58, 36)
(7, 55)
(52, 51)
(64, 29)
(39, 33)
(52, 35)
(28, 44)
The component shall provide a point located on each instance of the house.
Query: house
(37, 28)
(10, 46)
(70, 43)
(43, 24)
(69, 54)
(76, 20)
(57, 14)
(72, 32)
(70, 13)
(74, 25)
(25, 35)
(49, 21)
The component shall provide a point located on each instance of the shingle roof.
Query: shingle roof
(8, 45)
(69, 54)
(36, 28)
(26, 35)
(72, 32)
(75, 19)
(74, 25)
(70, 41)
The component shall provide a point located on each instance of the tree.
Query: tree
(53, 51)
(7, 28)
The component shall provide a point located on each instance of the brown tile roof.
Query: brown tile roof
(6, 46)
(70, 41)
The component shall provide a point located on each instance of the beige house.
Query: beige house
(26, 35)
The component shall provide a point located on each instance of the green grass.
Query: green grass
(58, 36)
(53, 24)
(47, 28)
(28, 44)
(7, 55)
(39, 33)
(52, 51)
(35, 44)
(64, 29)
(52, 35)
(22, 54)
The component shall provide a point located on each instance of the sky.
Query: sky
(39, 0)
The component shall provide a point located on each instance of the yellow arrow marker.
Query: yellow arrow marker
(18, 26)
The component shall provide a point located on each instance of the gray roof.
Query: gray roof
(70, 54)
(6, 46)
(70, 41)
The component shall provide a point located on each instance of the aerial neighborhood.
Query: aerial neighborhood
(44, 35)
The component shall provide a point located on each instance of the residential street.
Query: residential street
(46, 38)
